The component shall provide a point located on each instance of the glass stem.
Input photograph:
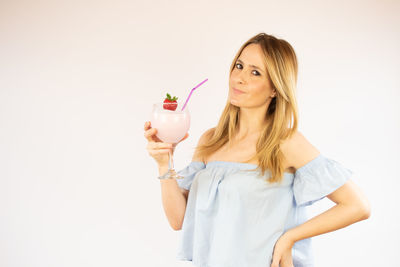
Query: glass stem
(170, 162)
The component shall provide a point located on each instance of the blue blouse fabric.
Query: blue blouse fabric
(234, 217)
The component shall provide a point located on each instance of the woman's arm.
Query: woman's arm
(351, 206)
(174, 198)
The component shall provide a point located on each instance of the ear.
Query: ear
(273, 93)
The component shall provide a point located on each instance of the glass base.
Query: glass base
(171, 174)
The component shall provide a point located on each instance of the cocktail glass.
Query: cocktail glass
(171, 127)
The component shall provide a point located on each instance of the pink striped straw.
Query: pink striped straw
(187, 99)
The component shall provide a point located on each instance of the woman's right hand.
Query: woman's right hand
(156, 148)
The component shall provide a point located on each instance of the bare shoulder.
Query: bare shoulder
(202, 140)
(298, 151)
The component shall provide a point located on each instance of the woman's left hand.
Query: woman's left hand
(282, 255)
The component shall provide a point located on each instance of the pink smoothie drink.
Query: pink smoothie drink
(171, 125)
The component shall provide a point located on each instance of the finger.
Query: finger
(275, 262)
(158, 145)
(287, 261)
(186, 136)
(147, 125)
(159, 151)
(162, 145)
(149, 134)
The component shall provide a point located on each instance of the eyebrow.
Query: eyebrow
(254, 66)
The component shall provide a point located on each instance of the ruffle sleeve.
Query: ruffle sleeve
(189, 173)
(317, 179)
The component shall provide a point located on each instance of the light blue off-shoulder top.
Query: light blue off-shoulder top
(233, 217)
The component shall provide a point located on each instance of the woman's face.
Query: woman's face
(249, 83)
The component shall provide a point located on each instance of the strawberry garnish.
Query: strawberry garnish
(170, 102)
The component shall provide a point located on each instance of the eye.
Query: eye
(256, 73)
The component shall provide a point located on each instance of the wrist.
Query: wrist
(290, 236)
(162, 169)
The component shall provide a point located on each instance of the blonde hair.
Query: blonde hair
(282, 114)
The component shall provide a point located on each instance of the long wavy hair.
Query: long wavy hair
(282, 113)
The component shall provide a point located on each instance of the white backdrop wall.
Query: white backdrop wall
(77, 81)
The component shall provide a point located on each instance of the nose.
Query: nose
(241, 77)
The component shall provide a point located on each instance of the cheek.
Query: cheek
(232, 77)
(260, 90)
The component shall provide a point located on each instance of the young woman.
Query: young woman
(243, 197)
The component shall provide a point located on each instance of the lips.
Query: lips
(237, 91)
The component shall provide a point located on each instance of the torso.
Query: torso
(240, 152)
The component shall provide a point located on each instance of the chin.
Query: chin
(234, 103)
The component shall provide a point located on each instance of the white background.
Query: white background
(77, 81)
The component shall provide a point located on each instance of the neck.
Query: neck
(251, 121)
